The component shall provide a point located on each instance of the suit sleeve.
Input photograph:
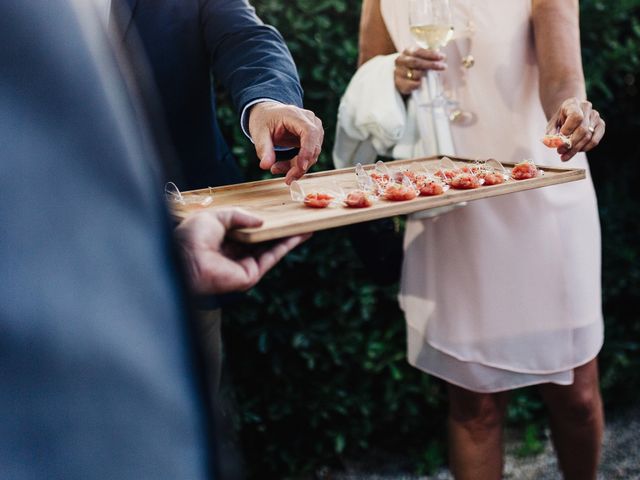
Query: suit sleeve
(249, 58)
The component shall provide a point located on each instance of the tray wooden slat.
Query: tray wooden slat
(271, 201)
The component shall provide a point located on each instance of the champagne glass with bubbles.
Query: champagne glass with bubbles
(432, 28)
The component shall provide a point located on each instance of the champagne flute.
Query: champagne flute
(431, 27)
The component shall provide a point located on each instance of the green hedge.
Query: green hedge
(316, 353)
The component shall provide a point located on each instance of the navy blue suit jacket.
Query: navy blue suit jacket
(192, 43)
(98, 377)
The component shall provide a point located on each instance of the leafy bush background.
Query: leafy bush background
(316, 353)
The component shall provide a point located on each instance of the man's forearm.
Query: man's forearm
(250, 59)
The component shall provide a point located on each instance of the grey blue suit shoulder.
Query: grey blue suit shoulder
(98, 377)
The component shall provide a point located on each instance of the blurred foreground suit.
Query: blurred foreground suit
(189, 42)
(98, 374)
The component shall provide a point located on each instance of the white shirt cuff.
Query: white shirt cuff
(244, 120)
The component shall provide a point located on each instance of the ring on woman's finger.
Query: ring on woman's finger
(409, 74)
(592, 129)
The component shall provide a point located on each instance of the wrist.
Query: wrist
(254, 107)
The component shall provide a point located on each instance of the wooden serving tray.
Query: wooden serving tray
(271, 200)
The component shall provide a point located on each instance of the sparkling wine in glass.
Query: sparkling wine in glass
(431, 27)
(432, 37)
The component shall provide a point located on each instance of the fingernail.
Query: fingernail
(304, 164)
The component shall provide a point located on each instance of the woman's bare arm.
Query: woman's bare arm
(410, 66)
(557, 35)
(562, 88)
(374, 37)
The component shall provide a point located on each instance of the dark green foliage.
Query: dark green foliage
(611, 50)
(317, 353)
(531, 442)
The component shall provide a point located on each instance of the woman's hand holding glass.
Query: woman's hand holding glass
(579, 121)
(412, 65)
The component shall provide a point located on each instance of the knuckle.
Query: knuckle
(577, 117)
(581, 131)
(306, 124)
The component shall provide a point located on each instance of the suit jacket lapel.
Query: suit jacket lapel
(122, 12)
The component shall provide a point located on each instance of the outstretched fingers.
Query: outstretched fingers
(261, 261)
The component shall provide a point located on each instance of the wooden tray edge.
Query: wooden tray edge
(404, 208)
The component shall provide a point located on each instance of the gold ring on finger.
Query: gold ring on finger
(410, 74)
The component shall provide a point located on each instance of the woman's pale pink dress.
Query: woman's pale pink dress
(505, 292)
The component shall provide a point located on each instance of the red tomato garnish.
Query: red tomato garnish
(411, 175)
(447, 174)
(491, 178)
(318, 200)
(524, 171)
(399, 193)
(471, 169)
(380, 178)
(419, 179)
(465, 181)
(358, 199)
(430, 188)
(556, 141)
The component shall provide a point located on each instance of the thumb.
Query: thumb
(572, 117)
(264, 147)
(238, 218)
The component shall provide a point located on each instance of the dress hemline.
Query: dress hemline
(533, 382)
(446, 351)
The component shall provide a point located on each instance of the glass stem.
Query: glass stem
(434, 86)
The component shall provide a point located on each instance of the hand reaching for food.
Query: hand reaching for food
(575, 127)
